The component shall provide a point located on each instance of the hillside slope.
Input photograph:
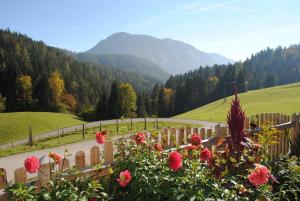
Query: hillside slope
(171, 55)
(127, 62)
(14, 125)
(284, 99)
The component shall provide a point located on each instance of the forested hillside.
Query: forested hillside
(34, 76)
(127, 62)
(267, 68)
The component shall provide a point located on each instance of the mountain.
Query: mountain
(22, 56)
(171, 55)
(127, 62)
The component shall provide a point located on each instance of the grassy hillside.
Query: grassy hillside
(14, 126)
(283, 99)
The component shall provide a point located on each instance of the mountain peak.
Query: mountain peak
(171, 55)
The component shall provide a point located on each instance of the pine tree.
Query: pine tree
(114, 110)
(141, 106)
(102, 106)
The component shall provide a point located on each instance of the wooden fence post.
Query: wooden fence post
(172, 137)
(20, 176)
(3, 178)
(108, 152)
(64, 164)
(30, 141)
(80, 159)
(44, 174)
(83, 131)
(164, 138)
(95, 155)
(180, 136)
(296, 127)
(202, 133)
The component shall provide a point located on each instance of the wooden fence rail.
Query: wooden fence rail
(169, 138)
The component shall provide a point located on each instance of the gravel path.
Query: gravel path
(10, 163)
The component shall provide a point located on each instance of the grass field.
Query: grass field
(90, 134)
(14, 126)
(284, 99)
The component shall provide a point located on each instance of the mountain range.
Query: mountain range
(172, 56)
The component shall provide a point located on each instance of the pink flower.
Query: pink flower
(205, 155)
(124, 178)
(175, 160)
(100, 137)
(32, 164)
(139, 138)
(158, 147)
(195, 139)
(259, 176)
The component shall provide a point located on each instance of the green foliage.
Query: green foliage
(60, 189)
(287, 172)
(127, 100)
(267, 137)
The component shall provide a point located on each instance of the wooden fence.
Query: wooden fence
(168, 137)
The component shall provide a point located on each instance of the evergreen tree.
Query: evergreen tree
(141, 105)
(114, 110)
(102, 106)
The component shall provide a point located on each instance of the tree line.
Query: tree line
(267, 68)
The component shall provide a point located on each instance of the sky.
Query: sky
(234, 28)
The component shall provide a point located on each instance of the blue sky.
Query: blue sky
(233, 28)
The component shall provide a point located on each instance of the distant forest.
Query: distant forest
(36, 77)
(267, 68)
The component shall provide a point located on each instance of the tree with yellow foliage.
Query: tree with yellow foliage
(24, 92)
(127, 100)
(57, 86)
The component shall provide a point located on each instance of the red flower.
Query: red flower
(32, 164)
(259, 176)
(175, 160)
(205, 155)
(195, 139)
(55, 157)
(93, 199)
(158, 147)
(100, 137)
(124, 178)
(190, 148)
(139, 138)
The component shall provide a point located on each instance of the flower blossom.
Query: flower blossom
(175, 160)
(205, 155)
(139, 138)
(100, 137)
(195, 139)
(32, 164)
(158, 147)
(55, 157)
(259, 176)
(124, 178)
